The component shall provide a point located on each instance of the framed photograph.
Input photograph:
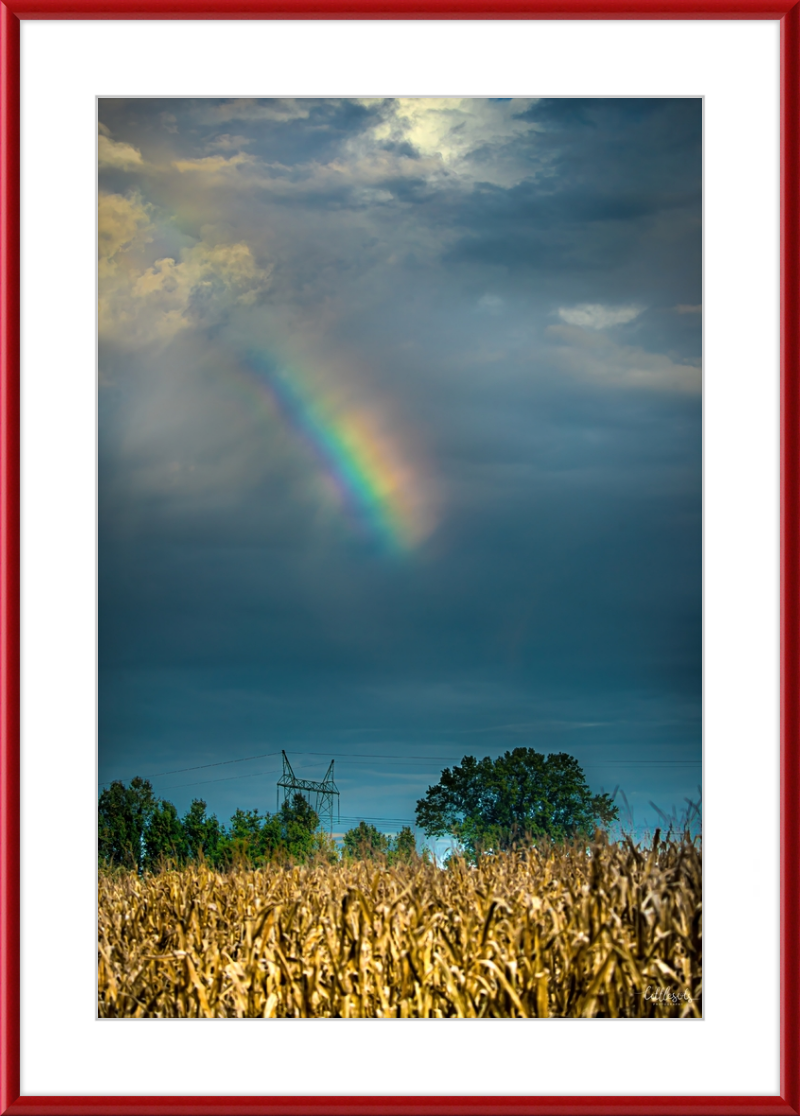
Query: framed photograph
(422, 451)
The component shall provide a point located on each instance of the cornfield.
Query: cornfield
(612, 930)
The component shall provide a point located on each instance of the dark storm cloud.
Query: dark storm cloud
(194, 128)
(618, 210)
(508, 278)
(584, 246)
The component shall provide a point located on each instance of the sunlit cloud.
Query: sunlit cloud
(142, 298)
(592, 315)
(121, 156)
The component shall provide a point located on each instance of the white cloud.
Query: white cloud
(460, 137)
(121, 156)
(595, 357)
(592, 315)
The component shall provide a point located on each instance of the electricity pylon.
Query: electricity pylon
(323, 793)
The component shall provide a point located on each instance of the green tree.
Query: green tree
(256, 839)
(324, 848)
(521, 796)
(403, 849)
(298, 824)
(140, 831)
(201, 833)
(164, 837)
(365, 842)
(243, 840)
(124, 815)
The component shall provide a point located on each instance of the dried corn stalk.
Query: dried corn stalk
(612, 931)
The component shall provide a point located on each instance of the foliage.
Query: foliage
(521, 796)
(486, 805)
(548, 931)
(404, 847)
(298, 823)
(243, 841)
(365, 842)
(201, 833)
(164, 838)
(138, 830)
(324, 849)
(256, 839)
(124, 815)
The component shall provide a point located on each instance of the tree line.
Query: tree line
(138, 830)
(519, 798)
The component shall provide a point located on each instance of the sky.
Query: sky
(399, 444)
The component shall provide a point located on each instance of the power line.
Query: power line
(368, 817)
(263, 755)
(386, 759)
(224, 779)
(201, 766)
(370, 758)
(646, 763)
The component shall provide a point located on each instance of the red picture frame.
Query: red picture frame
(10, 15)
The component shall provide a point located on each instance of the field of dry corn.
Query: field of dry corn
(557, 932)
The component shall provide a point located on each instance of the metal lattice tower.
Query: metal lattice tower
(318, 795)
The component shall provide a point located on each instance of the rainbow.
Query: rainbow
(360, 462)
